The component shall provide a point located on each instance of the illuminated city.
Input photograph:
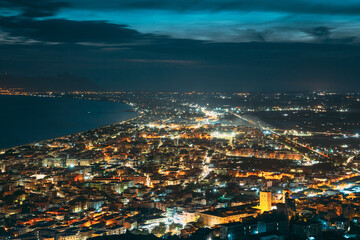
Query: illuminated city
(179, 120)
(182, 168)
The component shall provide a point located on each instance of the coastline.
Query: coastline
(127, 110)
(68, 135)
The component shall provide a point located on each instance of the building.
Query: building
(268, 223)
(265, 201)
(306, 230)
(116, 230)
(285, 195)
(227, 215)
(238, 230)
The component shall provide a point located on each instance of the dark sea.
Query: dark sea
(26, 119)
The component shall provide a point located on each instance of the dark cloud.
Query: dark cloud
(323, 34)
(91, 33)
(294, 6)
(34, 8)
(66, 31)
(320, 32)
(255, 35)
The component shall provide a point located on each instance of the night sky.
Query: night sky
(182, 45)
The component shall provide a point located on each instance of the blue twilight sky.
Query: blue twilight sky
(186, 44)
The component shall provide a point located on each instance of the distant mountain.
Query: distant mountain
(62, 82)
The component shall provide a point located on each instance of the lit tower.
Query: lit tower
(265, 201)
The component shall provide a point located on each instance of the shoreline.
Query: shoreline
(68, 135)
(128, 110)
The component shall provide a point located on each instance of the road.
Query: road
(278, 134)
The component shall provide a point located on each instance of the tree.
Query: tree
(175, 226)
(199, 223)
(140, 232)
(159, 230)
